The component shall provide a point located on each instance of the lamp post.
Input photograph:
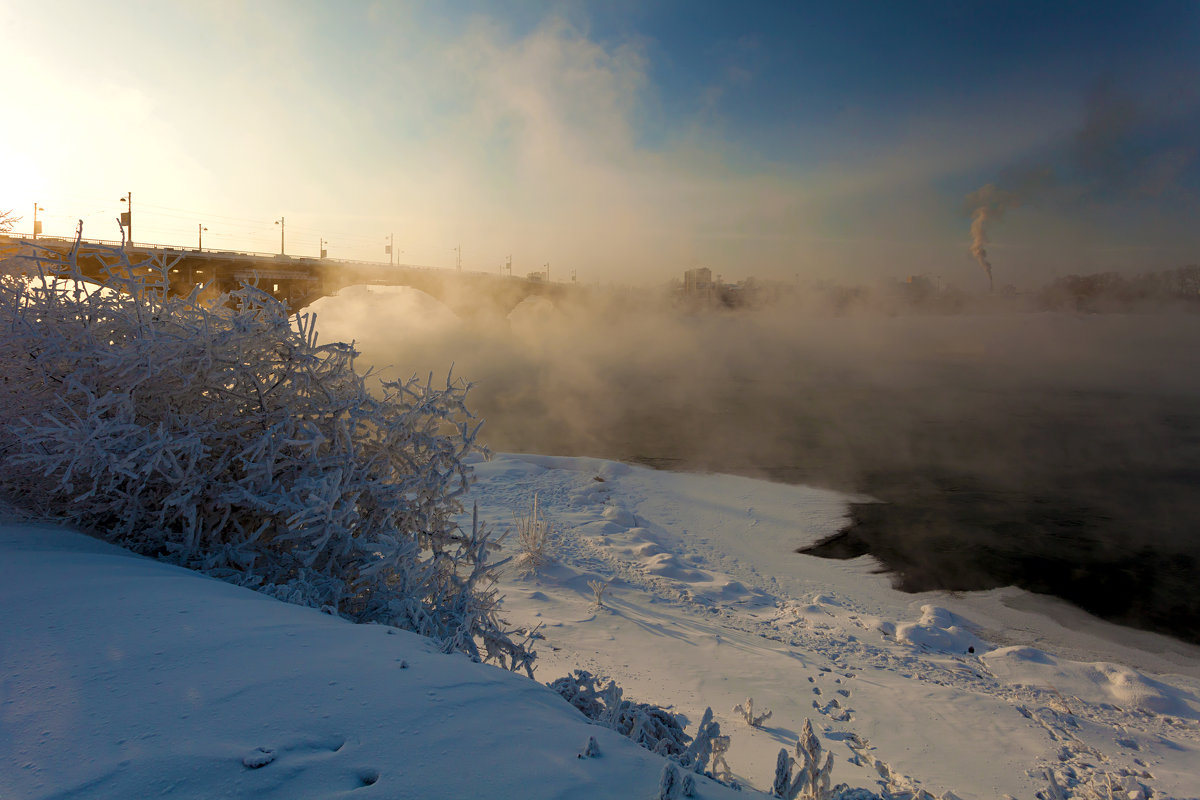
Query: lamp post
(200, 229)
(127, 218)
(282, 226)
(37, 226)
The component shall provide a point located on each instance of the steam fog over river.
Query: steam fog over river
(1057, 452)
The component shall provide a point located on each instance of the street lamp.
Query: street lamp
(37, 226)
(127, 218)
(200, 229)
(282, 226)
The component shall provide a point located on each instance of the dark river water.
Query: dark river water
(1059, 453)
(1057, 492)
(1085, 486)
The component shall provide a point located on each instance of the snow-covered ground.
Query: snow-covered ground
(122, 677)
(709, 604)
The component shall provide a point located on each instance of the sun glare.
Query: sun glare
(23, 182)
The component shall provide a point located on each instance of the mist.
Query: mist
(1058, 451)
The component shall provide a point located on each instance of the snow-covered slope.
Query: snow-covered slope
(122, 677)
(710, 604)
(125, 678)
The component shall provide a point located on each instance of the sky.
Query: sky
(619, 142)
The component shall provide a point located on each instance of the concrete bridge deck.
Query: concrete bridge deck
(297, 282)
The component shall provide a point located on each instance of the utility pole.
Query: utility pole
(281, 222)
(127, 218)
(458, 258)
(547, 272)
(391, 249)
(323, 252)
(200, 229)
(508, 265)
(37, 226)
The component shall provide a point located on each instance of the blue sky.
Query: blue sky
(625, 140)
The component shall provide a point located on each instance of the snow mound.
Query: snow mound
(669, 566)
(620, 516)
(600, 528)
(506, 470)
(942, 631)
(1097, 682)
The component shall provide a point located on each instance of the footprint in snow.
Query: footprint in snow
(303, 752)
(258, 757)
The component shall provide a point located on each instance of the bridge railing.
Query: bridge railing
(165, 249)
(171, 250)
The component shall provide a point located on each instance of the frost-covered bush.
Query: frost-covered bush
(227, 439)
(673, 786)
(720, 767)
(811, 781)
(653, 727)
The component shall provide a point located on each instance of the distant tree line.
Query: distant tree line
(1102, 292)
(1113, 292)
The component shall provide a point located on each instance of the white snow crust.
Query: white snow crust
(122, 677)
(976, 694)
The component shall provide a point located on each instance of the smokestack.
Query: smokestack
(989, 204)
(978, 240)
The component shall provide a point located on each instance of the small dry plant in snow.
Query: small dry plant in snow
(746, 712)
(533, 537)
(599, 588)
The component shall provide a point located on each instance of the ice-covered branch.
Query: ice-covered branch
(226, 438)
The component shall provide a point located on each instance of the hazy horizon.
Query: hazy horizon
(624, 142)
(1005, 444)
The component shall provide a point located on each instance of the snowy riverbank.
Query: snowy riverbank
(123, 677)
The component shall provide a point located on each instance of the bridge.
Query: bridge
(296, 282)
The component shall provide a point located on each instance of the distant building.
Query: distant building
(698, 281)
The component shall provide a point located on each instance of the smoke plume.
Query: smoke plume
(988, 205)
